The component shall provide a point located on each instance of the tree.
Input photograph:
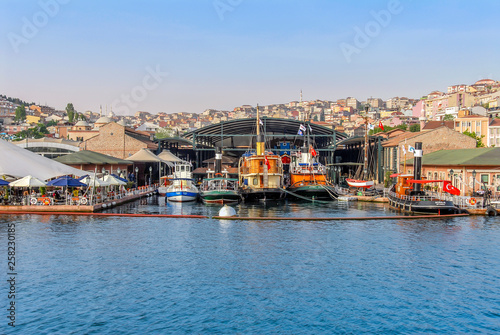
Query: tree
(315, 118)
(415, 128)
(448, 117)
(20, 113)
(479, 139)
(70, 110)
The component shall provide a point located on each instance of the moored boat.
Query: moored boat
(182, 186)
(260, 173)
(359, 183)
(308, 177)
(217, 187)
(406, 195)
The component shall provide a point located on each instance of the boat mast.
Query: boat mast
(365, 162)
(260, 138)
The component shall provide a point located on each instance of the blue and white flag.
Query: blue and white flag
(410, 148)
(300, 132)
(260, 122)
(371, 127)
(310, 130)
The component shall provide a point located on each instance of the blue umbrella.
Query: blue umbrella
(3, 182)
(66, 181)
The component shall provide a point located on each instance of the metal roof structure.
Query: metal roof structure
(226, 132)
(91, 157)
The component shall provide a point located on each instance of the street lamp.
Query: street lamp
(136, 181)
(451, 176)
(103, 171)
(150, 171)
(474, 173)
(118, 171)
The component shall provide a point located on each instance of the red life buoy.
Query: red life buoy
(472, 201)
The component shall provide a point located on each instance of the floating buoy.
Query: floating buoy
(227, 211)
(104, 205)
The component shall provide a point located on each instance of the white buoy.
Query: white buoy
(104, 205)
(227, 211)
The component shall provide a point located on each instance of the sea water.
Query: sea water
(139, 275)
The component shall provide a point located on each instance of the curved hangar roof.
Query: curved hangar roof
(272, 126)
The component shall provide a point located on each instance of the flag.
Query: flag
(371, 127)
(300, 133)
(404, 150)
(266, 161)
(411, 149)
(448, 187)
(302, 127)
(380, 125)
(310, 130)
(260, 122)
(312, 151)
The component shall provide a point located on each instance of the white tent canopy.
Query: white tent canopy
(112, 180)
(19, 162)
(91, 181)
(145, 156)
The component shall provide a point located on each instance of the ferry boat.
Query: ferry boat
(406, 195)
(217, 187)
(260, 173)
(308, 177)
(182, 186)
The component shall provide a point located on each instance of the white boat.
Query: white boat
(182, 186)
(359, 183)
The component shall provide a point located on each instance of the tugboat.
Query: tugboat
(308, 176)
(182, 186)
(217, 187)
(260, 173)
(406, 195)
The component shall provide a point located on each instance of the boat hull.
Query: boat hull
(220, 197)
(252, 195)
(431, 207)
(181, 196)
(360, 183)
(318, 192)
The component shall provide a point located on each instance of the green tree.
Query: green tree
(479, 139)
(52, 123)
(448, 117)
(403, 126)
(70, 110)
(164, 133)
(315, 118)
(415, 128)
(20, 113)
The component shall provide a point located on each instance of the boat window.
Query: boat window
(183, 168)
(255, 181)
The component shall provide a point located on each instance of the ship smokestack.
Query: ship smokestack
(218, 160)
(417, 165)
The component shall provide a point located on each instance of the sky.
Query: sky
(188, 56)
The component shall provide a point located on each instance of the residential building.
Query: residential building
(474, 124)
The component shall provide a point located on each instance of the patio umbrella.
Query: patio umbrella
(3, 182)
(112, 180)
(122, 179)
(66, 181)
(28, 181)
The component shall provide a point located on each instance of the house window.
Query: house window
(485, 178)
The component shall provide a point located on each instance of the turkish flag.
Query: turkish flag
(448, 187)
(380, 125)
(313, 152)
(267, 162)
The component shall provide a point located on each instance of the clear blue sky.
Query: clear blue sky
(224, 53)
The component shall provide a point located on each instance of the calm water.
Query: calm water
(90, 275)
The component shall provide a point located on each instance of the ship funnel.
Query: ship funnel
(417, 165)
(218, 160)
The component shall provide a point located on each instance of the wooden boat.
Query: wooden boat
(217, 187)
(406, 195)
(260, 173)
(308, 176)
(359, 183)
(182, 186)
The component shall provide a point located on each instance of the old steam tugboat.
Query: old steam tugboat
(407, 196)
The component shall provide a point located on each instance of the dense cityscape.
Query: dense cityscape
(479, 100)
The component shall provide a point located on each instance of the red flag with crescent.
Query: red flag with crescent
(266, 161)
(448, 187)
(380, 125)
(312, 151)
